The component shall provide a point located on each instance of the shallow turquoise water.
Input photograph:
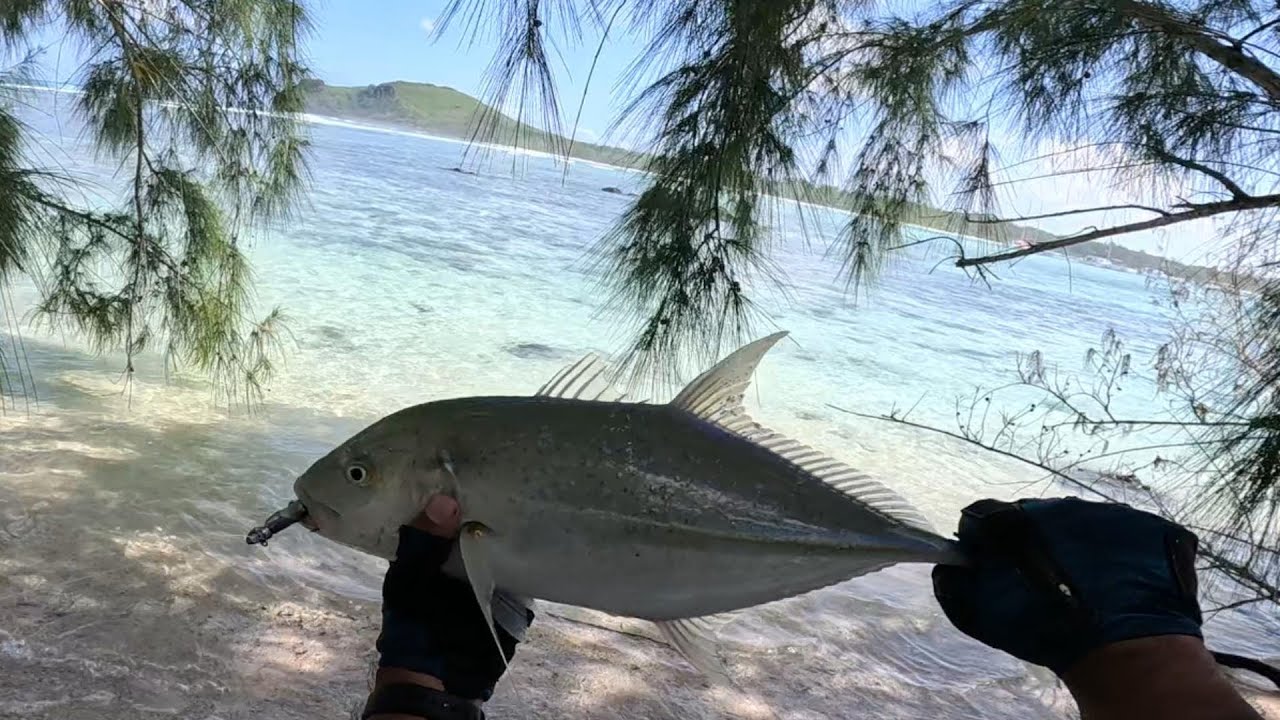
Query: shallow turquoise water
(406, 282)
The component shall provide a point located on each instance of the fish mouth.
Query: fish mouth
(316, 511)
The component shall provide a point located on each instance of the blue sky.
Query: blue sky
(362, 43)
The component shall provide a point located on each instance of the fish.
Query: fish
(675, 513)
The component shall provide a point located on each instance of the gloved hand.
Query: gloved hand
(432, 625)
(1052, 580)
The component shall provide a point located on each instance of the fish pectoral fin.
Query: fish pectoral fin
(695, 639)
(479, 569)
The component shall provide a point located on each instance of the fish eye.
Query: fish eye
(357, 474)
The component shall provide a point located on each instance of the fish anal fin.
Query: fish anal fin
(479, 569)
(694, 639)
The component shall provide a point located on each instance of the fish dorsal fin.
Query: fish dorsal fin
(717, 393)
(716, 396)
(586, 379)
(851, 482)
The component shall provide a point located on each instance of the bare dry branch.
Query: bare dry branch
(1063, 213)
(1236, 191)
(1196, 212)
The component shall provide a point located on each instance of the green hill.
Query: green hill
(446, 112)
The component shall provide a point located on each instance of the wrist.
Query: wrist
(1167, 676)
(398, 676)
(400, 694)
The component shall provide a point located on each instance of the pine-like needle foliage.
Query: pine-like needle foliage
(1176, 97)
(686, 250)
(1175, 101)
(196, 100)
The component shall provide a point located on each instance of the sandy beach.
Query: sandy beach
(105, 623)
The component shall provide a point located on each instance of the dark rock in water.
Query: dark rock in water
(460, 170)
(459, 263)
(1109, 477)
(534, 351)
(335, 337)
(1123, 478)
(617, 191)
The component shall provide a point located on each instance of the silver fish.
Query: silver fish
(669, 513)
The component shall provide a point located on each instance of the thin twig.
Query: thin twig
(973, 441)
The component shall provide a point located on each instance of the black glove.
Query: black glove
(431, 623)
(1052, 580)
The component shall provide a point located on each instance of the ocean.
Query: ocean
(404, 281)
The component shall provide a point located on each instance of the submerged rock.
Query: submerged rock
(534, 351)
(1121, 478)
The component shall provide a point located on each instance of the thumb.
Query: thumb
(441, 516)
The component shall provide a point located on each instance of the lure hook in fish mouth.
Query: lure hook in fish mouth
(292, 513)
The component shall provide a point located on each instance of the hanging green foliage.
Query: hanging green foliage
(197, 100)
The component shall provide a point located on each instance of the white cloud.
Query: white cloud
(427, 24)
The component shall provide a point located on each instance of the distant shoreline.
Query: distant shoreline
(373, 125)
(449, 114)
(390, 107)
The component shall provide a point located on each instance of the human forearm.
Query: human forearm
(436, 658)
(1169, 677)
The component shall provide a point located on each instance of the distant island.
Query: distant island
(449, 113)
